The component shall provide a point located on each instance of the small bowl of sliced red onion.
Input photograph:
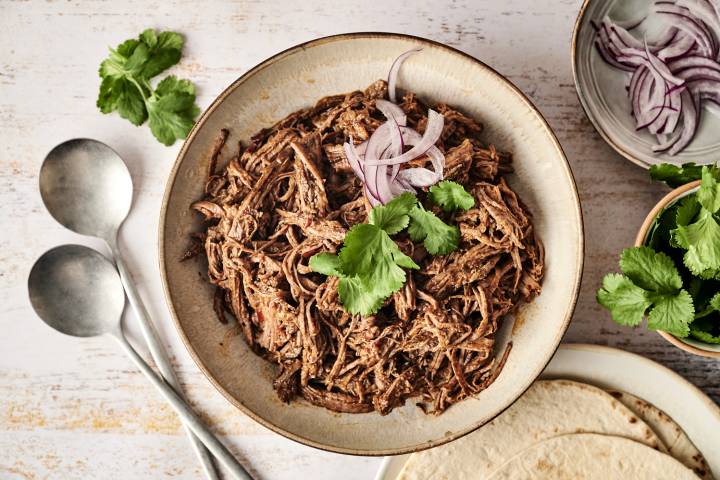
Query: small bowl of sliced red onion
(648, 77)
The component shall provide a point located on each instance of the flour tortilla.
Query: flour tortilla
(678, 445)
(591, 456)
(549, 408)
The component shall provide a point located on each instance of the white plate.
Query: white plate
(614, 369)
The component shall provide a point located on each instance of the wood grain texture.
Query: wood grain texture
(77, 409)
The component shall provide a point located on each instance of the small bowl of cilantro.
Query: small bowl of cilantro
(672, 274)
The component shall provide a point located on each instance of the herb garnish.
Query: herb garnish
(675, 279)
(126, 88)
(450, 196)
(370, 264)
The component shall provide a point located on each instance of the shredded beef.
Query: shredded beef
(291, 194)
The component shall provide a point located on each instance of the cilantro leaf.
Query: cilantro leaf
(715, 302)
(704, 336)
(702, 242)
(438, 237)
(709, 193)
(370, 266)
(165, 51)
(450, 196)
(393, 217)
(672, 313)
(129, 104)
(126, 88)
(650, 270)
(357, 298)
(659, 233)
(675, 176)
(627, 303)
(706, 330)
(172, 109)
(687, 210)
(326, 263)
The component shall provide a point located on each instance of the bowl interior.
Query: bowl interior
(603, 95)
(695, 346)
(297, 78)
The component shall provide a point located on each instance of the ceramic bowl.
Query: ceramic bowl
(298, 77)
(603, 96)
(690, 345)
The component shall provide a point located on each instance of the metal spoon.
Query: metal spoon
(78, 292)
(87, 188)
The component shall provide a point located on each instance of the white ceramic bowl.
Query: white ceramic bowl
(602, 93)
(298, 77)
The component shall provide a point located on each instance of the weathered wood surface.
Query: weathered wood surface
(77, 409)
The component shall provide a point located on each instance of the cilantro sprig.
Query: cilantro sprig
(370, 264)
(450, 196)
(675, 279)
(126, 88)
(650, 282)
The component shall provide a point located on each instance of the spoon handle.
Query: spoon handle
(157, 351)
(186, 414)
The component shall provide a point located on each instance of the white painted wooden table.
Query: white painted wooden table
(78, 409)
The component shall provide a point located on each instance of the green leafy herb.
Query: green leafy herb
(172, 109)
(393, 217)
(706, 330)
(651, 281)
(126, 88)
(675, 176)
(370, 264)
(651, 271)
(699, 234)
(450, 196)
(438, 237)
(626, 302)
(327, 264)
(675, 279)
(672, 313)
(709, 192)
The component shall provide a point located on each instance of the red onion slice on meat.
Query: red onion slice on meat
(377, 161)
(394, 69)
(433, 130)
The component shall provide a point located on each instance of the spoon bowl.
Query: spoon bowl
(86, 187)
(77, 291)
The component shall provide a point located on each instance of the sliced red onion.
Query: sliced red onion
(433, 130)
(391, 110)
(698, 73)
(690, 26)
(394, 69)
(707, 16)
(661, 68)
(672, 75)
(690, 122)
(682, 46)
(419, 176)
(681, 64)
(377, 161)
(353, 158)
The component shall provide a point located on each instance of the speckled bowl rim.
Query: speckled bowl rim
(581, 96)
(640, 241)
(171, 183)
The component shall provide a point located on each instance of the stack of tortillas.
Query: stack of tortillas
(567, 430)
